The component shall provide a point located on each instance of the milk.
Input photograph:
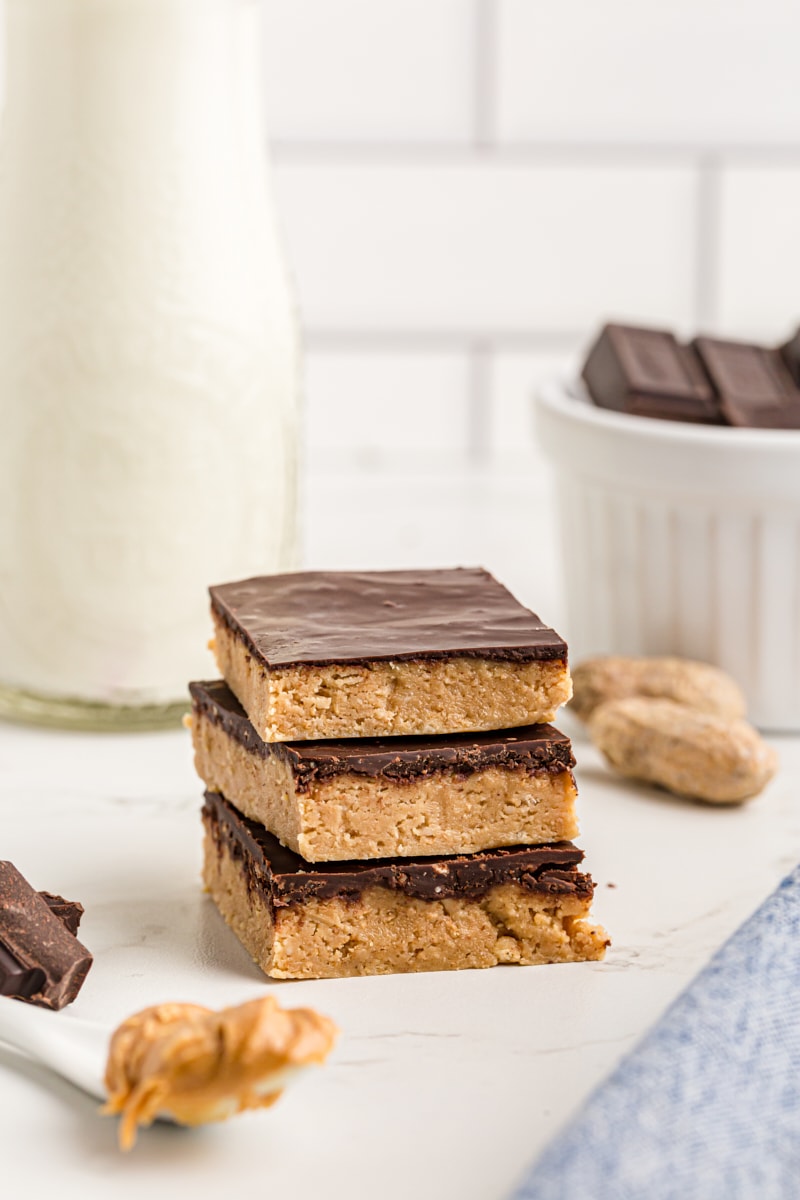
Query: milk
(148, 352)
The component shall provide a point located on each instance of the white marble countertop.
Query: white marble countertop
(442, 1085)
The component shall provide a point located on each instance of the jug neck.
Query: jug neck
(125, 64)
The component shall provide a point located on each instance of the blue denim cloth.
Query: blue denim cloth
(707, 1106)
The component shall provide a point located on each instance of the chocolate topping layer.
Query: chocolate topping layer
(285, 878)
(323, 617)
(536, 749)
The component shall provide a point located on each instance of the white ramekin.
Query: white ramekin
(680, 539)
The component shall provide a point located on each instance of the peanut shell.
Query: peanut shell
(690, 753)
(694, 684)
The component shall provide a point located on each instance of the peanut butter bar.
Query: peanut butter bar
(523, 904)
(383, 798)
(323, 654)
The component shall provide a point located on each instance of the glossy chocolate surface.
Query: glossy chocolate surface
(754, 385)
(285, 878)
(536, 749)
(646, 372)
(791, 356)
(326, 617)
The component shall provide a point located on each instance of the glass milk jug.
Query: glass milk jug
(148, 351)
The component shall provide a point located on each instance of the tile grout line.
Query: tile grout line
(478, 403)
(437, 341)
(484, 79)
(708, 214)
(314, 152)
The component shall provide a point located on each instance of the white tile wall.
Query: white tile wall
(469, 186)
(488, 247)
(516, 377)
(378, 408)
(687, 72)
(355, 70)
(442, 518)
(759, 267)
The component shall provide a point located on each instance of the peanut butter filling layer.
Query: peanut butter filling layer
(369, 919)
(388, 698)
(326, 815)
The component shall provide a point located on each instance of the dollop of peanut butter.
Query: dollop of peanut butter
(194, 1065)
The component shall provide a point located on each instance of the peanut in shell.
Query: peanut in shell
(694, 684)
(690, 753)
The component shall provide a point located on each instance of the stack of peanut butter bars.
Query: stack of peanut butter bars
(384, 791)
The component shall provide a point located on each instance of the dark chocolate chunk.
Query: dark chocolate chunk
(323, 617)
(42, 961)
(69, 912)
(753, 384)
(16, 980)
(791, 356)
(646, 372)
(536, 749)
(285, 878)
